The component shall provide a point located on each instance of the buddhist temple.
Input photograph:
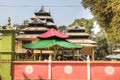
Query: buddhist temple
(38, 24)
(42, 22)
(78, 36)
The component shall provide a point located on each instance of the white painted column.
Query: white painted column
(88, 67)
(49, 67)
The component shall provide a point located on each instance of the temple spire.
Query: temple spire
(9, 24)
(42, 8)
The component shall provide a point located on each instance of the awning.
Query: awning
(113, 56)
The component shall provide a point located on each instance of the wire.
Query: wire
(39, 6)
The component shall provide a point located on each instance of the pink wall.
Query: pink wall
(105, 70)
(69, 70)
(66, 70)
(29, 70)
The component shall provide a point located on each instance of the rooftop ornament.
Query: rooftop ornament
(9, 24)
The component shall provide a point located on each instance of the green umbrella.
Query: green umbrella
(43, 44)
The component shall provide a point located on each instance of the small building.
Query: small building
(78, 36)
(115, 55)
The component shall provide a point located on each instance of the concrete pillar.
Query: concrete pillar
(7, 50)
(93, 56)
(88, 67)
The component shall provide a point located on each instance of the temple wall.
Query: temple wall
(66, 70)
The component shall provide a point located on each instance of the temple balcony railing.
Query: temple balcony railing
(44, 57)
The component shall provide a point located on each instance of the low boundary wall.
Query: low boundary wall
(65, 70)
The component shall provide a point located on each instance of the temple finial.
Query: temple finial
(9, 24)
(42, 8)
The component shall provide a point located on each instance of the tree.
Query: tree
(106, 13)
(22, 25)
(102, 49)
(62, 28)
(87, 23)
(19, 27)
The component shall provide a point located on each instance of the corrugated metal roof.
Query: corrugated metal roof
(116, 51)
(113, 56)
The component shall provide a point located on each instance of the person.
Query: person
(29, 53)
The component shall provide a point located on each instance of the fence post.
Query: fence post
(88, 67)
(49, 67)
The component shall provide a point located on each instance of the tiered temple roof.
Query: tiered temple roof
(77, 35)
(40, 23)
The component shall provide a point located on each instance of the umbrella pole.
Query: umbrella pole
(55, 51)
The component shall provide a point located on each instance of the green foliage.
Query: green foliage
(22, 25)
(107, 14)
(87, 23)
(62, 28)
(19, 26)
(102, 46)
